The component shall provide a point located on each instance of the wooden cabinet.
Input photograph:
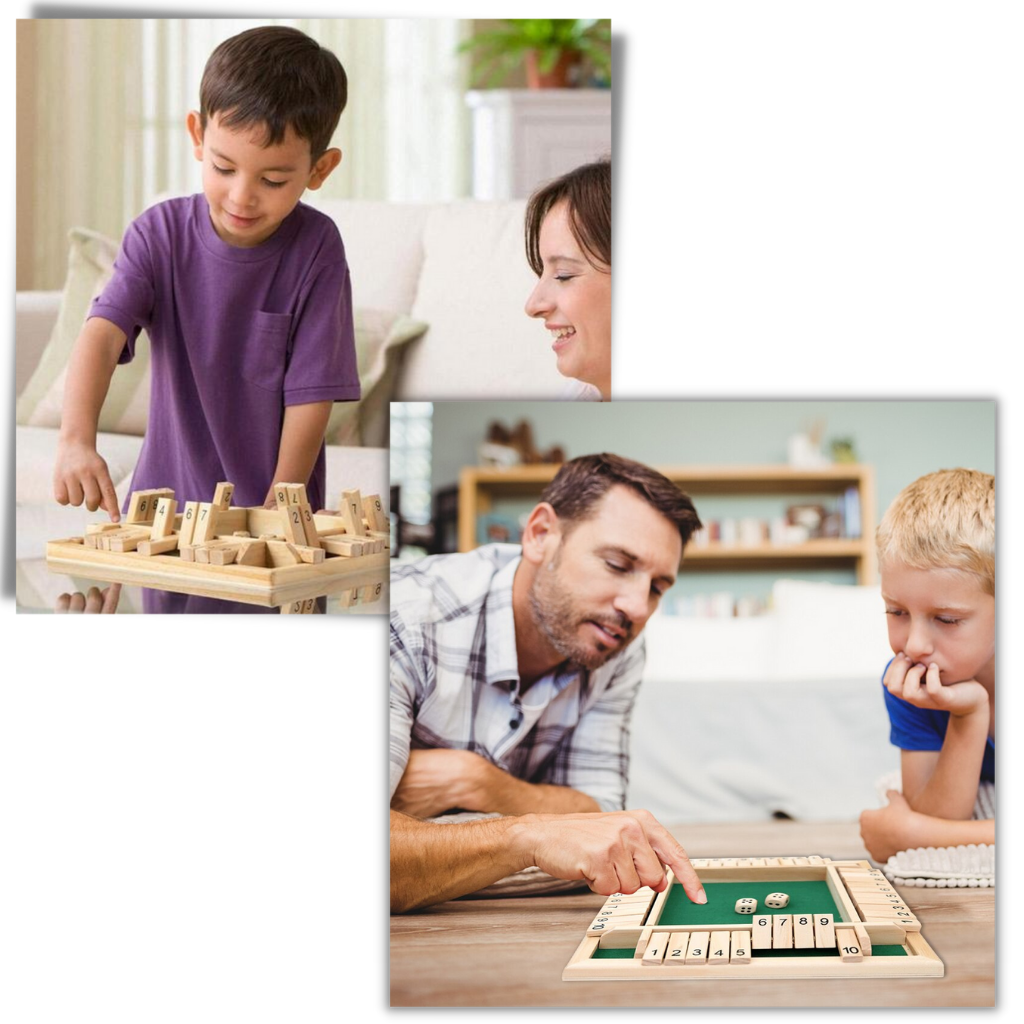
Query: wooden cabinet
(480, 488)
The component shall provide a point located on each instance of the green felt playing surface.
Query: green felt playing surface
(804, 898)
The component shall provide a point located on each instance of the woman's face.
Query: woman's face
(574, 298)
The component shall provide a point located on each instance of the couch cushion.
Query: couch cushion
(384, 247)
(380, 340)
(90, 266)
(472, 290)
(37, 451)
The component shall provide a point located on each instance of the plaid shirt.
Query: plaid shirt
(455, 682)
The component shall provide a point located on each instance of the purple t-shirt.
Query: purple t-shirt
(236, 335)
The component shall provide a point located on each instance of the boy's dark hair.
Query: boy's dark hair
(275, 76)
(587, 190)
(581, 483)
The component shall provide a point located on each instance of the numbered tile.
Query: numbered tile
(803, 931)
(606, 922)
(655, 951)
(782, 931)
(675, 952)
(848, 945)
(824, 931)
(718, 948)
(739, 952)
(697, 951)
(761, 931)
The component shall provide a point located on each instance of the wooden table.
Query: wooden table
(510, 952)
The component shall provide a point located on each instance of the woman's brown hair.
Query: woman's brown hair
(587, 192)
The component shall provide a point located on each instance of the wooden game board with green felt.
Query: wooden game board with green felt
(844, 919)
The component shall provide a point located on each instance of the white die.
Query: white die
(776, 900)
(747, 906)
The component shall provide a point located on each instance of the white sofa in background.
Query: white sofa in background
(738, 719)
(461, 268)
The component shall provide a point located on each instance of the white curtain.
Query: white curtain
(111, 97)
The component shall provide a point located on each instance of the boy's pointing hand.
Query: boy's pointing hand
(81, 476)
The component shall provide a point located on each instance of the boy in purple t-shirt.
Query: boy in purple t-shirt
(243, 291)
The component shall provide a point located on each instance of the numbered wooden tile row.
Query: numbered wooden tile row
(623, 910)
(757, 862)
(698, 947)
(793, 931)
(876, 899)
(776, 931)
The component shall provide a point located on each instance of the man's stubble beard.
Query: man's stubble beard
(556, 616)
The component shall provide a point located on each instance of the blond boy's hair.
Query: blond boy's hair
(944, 520)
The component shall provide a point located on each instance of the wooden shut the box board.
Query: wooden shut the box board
(844, 919)
(266, 556)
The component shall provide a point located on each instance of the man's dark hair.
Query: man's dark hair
(581, 483)
(275, 77)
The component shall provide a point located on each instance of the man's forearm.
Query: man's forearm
(431, 862)
(509, 795)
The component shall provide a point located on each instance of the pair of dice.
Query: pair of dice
(775, 900)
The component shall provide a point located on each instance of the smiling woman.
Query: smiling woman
(569, 247)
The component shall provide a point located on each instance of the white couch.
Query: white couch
(738, 719)
(458, 267)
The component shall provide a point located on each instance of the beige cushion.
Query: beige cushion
(90, 267)
(380, 339)
(473, 287)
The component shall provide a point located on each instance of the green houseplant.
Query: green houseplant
(550, 48)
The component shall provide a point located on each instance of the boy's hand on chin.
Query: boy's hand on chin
(920, 685)
(81, 475)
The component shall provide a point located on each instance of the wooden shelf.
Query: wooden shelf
(479, 488)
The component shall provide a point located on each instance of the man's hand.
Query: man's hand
(920, 685)
(613, 852)
(436, 781)
(891, 828)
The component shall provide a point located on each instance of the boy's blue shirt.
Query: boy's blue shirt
(914, 728)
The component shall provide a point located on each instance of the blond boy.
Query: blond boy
(936, 552)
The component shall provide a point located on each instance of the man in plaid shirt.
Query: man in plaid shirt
(513, 676)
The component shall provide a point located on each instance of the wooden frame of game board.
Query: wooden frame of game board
(845, 880)
(268, 586)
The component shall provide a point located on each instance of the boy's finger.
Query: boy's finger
(74, 491)
(91, 490)
(934, 685)
(110, 598)
(110, 498)
(60, 491)
(912, 682)
(895, 674)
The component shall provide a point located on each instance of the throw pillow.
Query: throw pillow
(380, 340)
(90, 267)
